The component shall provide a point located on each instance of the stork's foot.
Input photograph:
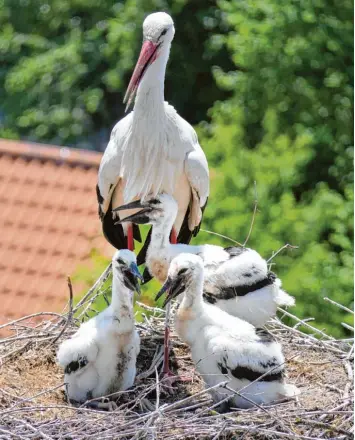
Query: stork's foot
(167, 380)
(104, 404)
(146, 405)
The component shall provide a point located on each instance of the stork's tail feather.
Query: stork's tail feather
(284, 299)
(291, 390)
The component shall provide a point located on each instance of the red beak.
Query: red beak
(147, 56)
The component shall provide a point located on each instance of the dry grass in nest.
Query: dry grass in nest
(33, 403)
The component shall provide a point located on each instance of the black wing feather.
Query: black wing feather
(185, 236)
(240, 290)
(74, 366)
(113, 233)
(197, 229)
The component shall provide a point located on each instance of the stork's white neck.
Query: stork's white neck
(150, 94)
(161, 231)
(121, 301)
(148, 146)
(193, 294)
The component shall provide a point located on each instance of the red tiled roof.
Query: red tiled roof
(49, 224)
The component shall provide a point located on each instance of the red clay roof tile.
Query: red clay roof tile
(49, 224)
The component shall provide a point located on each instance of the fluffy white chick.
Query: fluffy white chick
(100, 358)
(224, 347)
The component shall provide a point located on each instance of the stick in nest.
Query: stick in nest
(254, 215)
(285, 246)
(251, 224)
(70, 313)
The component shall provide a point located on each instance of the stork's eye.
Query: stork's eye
(164, 32)
(182, 271)
(154, 202)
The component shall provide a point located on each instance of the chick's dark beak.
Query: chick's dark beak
(174, 286)
(135, 271)
(131, 276)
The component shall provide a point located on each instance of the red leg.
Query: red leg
(130, 240)
(166, 369)
(173, 236)
(168, 375)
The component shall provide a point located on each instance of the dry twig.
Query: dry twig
(33, 406)
(70, 313)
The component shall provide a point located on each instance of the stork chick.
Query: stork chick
(223, 347)
(236, 279)
(100, 358)
(152, 149)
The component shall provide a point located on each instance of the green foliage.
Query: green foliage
(288, 128)
(277, 77)
(66, 63)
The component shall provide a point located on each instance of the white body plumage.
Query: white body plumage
(236, 279)
(100, 358)
(153, 149)
(223, 347)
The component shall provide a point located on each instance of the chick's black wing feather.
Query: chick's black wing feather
(185, 236)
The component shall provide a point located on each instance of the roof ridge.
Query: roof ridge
(44, 152)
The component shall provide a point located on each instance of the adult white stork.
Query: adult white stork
(152, 149)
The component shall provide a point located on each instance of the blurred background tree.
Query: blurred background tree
(288, 126)
(269, 86)
(65, 65)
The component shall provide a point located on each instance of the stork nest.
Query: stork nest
(33, 403)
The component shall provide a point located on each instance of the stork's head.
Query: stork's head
(158, 32)
(158, 28)
(185, 273)
(124, 264)
(152, 211)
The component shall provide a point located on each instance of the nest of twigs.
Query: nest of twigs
(33, 402)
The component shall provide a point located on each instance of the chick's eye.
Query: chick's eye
(120, 261)
(154, 202)
(164, 32)
(182, 271)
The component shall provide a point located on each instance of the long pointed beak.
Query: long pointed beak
(166, 287)
(139, 218)
(132, 205)
(135, 271)
(174, 286)
(136, 275)
(147, 56)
